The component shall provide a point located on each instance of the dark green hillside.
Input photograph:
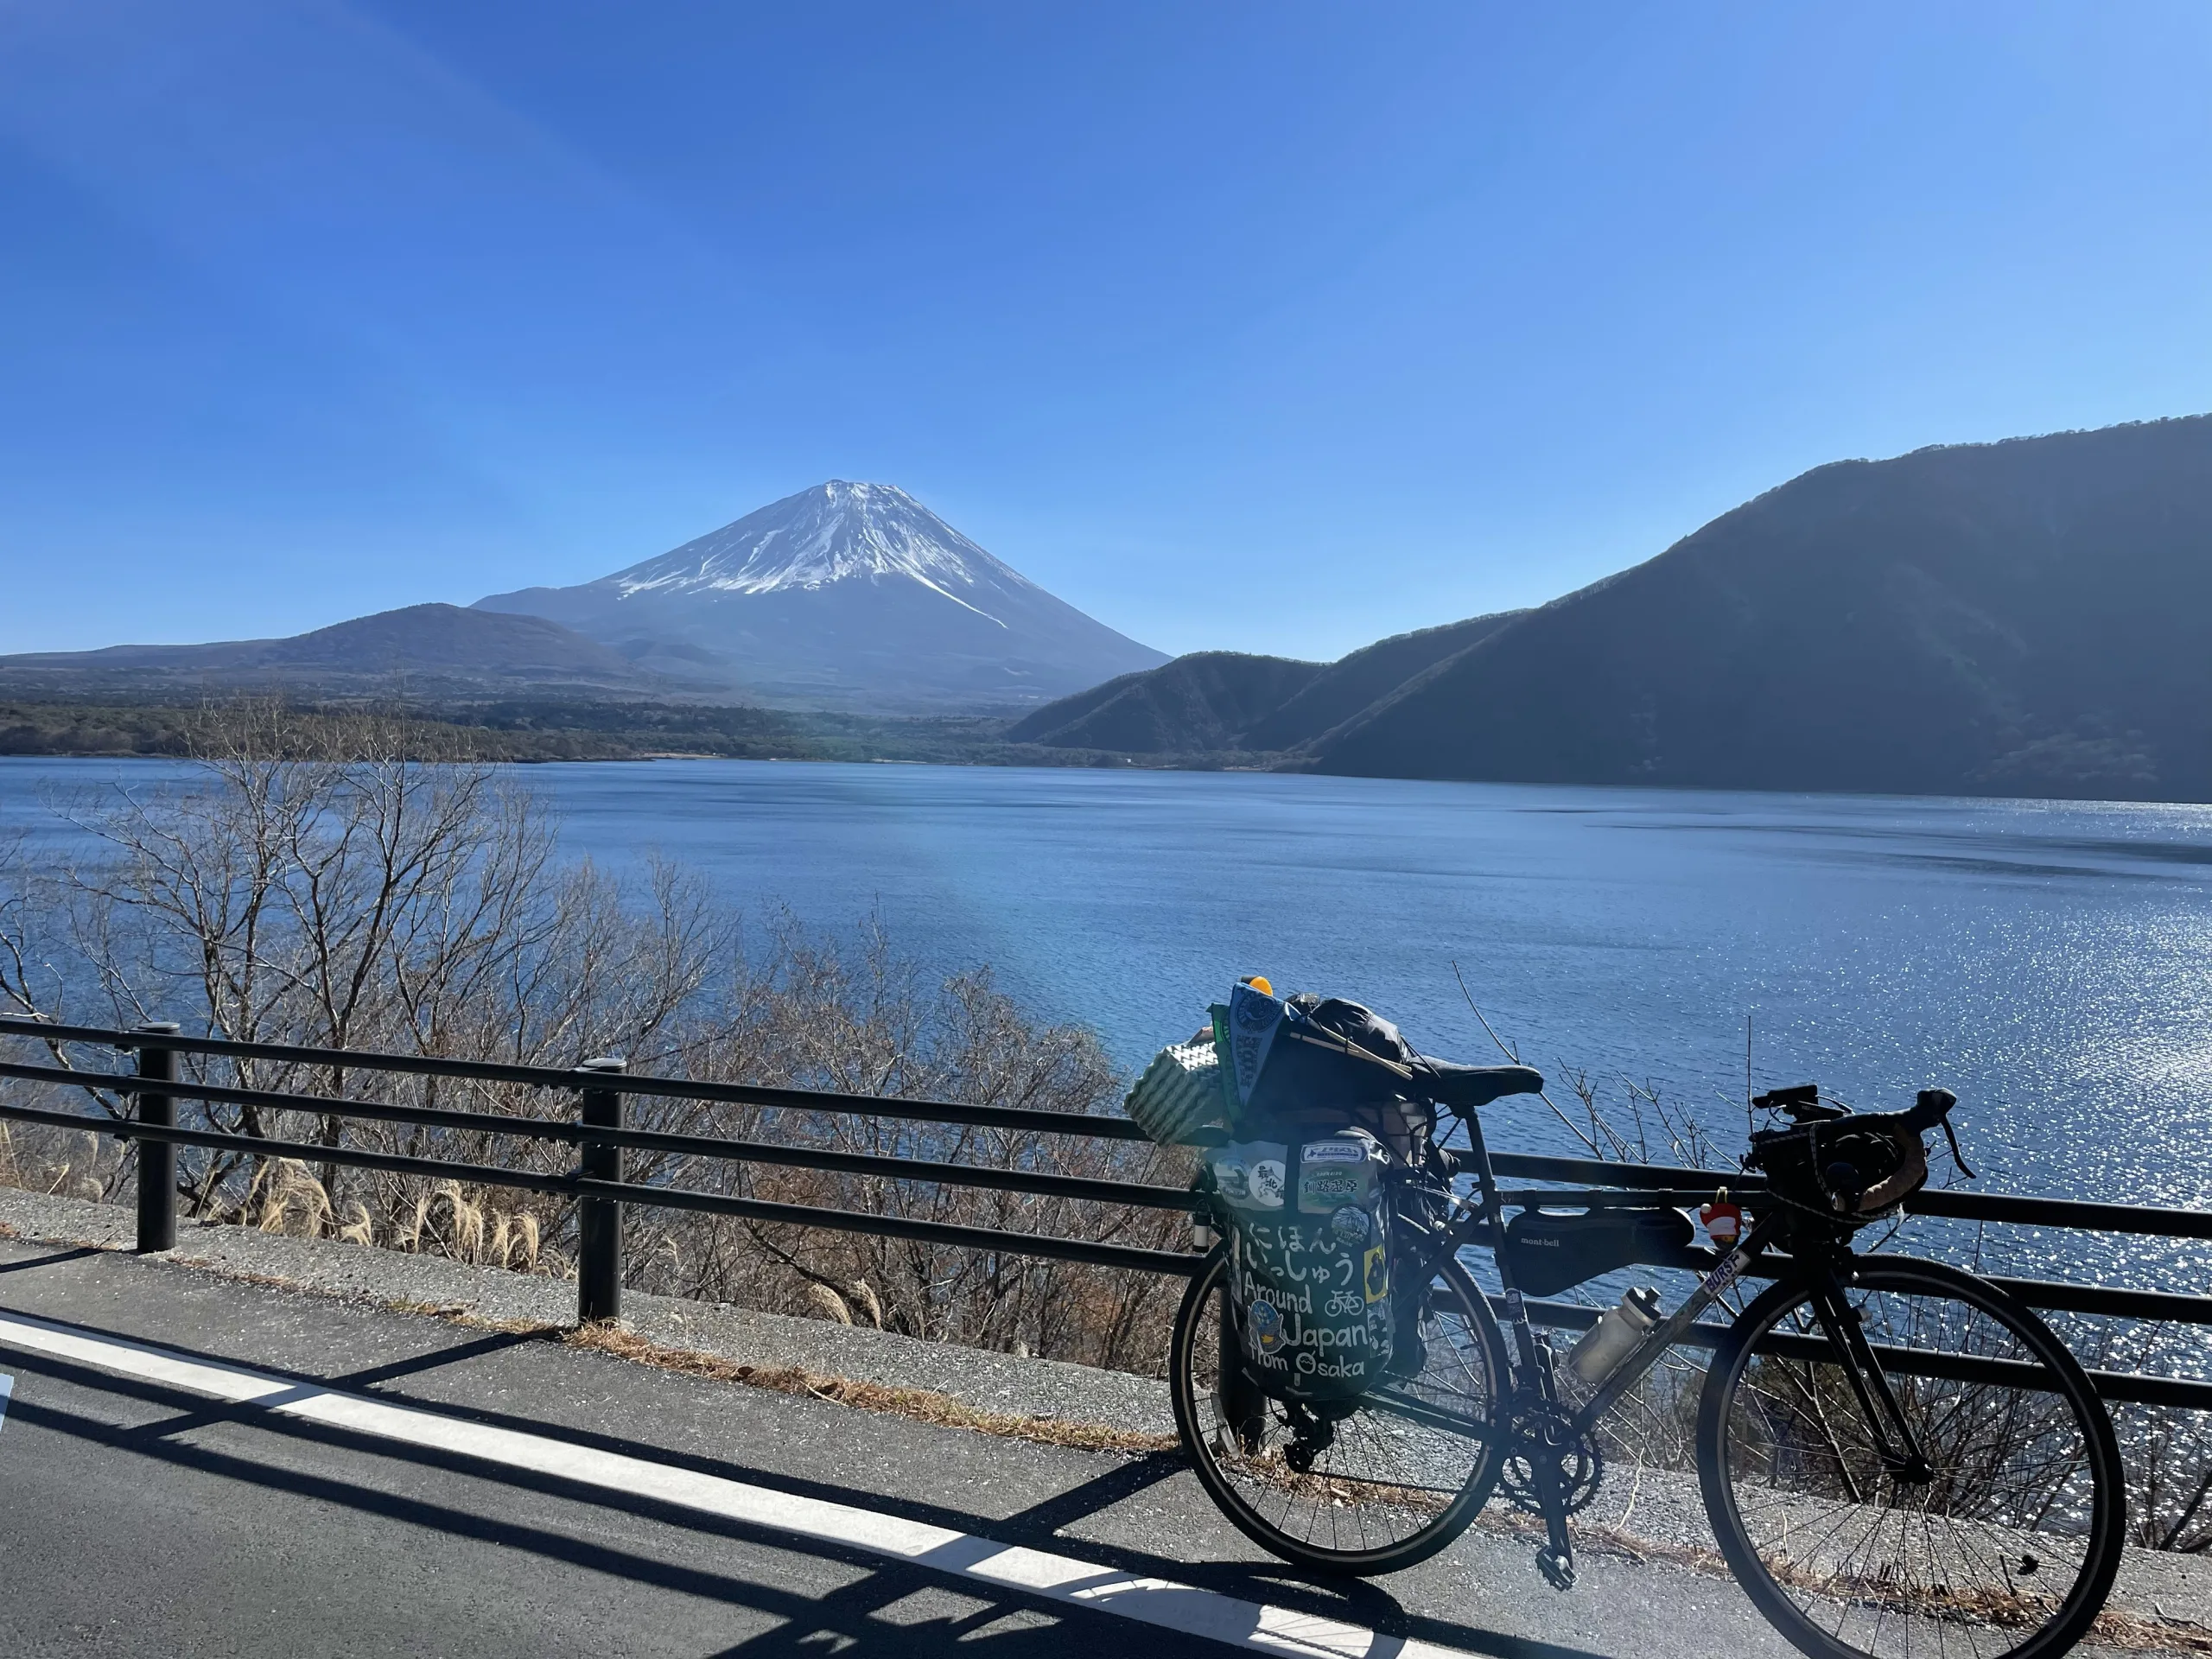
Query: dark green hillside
(1349, 685)
(1195, 704)
(1214, 702)
(2023, 617)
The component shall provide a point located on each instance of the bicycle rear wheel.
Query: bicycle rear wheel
(1395, 1477)
(2008, 1550)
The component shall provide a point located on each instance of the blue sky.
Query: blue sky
(1276, 327)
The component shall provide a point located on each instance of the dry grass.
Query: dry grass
(919, 1405)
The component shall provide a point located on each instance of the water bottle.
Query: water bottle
(1605, 1343)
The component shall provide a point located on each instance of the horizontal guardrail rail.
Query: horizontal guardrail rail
(600, 1137)
(599, 1190)
(543, 1076)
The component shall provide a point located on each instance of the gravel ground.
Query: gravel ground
(984, 1381)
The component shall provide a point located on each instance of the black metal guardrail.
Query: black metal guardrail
(600, 1136)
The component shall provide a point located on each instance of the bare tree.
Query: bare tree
(318, 887)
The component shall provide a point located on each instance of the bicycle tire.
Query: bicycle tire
(1201, 1420)
(1988, 1531)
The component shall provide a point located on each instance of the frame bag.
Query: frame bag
(1551, 1252)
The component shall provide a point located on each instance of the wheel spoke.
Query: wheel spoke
(2008, 1544)
(1363, 1486)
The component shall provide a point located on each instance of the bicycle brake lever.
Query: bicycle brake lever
(1957, 1157)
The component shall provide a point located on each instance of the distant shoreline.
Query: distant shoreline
(1125, 764)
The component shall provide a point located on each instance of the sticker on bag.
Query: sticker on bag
(1321, 1192)
(1344, 1151)
(1377, 1273)
(1252, 1175)
(1268, 1183)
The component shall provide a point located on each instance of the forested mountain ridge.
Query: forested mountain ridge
(2023, 618)
(1353, 683)
(429, 648)
(1213, 701)
(2030, 617)
(1201, 702)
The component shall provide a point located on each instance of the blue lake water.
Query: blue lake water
(2050, 961)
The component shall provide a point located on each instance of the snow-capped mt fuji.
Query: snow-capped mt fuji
(833, 532)
(848, 593)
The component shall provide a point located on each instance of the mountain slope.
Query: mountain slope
(1200, 703)
(1350, 684)
(426, 644)
(1212, 700)
(852, 594)
(2026, 618)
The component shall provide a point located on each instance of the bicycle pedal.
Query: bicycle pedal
(1558, 1570)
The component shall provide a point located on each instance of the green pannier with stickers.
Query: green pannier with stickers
(1309, 1244)
(1303, 1186)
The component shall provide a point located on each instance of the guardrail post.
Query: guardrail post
(156, 1159)
(599, 1221)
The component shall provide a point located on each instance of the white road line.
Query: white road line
(1162, 1602)
(7, 1393)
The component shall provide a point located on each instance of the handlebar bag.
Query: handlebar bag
(1309, 1232)
(1550, 1252)
(1858, 1168)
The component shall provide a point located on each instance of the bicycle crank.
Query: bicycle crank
(1538, 1434)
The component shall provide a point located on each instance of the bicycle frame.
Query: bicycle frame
(1535, 1379)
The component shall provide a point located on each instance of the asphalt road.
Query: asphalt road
(142, 1518)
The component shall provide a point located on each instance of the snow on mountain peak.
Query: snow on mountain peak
(836, 531)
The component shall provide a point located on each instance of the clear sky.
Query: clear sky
(1273, 326)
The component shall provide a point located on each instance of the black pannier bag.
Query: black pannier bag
(1550, 1253)
(1308, 1066)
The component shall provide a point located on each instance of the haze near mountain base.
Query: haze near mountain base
(845, 595)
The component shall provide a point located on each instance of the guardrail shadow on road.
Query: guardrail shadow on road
(851, 1611)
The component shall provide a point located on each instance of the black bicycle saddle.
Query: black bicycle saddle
(1449, 1084)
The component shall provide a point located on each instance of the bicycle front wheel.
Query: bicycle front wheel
(2004, 1544)
(1368, 1486)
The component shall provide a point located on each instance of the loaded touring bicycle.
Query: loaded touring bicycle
(1892, 1455)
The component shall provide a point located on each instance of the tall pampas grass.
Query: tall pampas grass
(293, 1184)
(525, 1256)
(466, 1243)
(862, 1295)
(828, 1304)
(409, 1237)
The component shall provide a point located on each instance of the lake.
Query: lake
(2049, 961)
